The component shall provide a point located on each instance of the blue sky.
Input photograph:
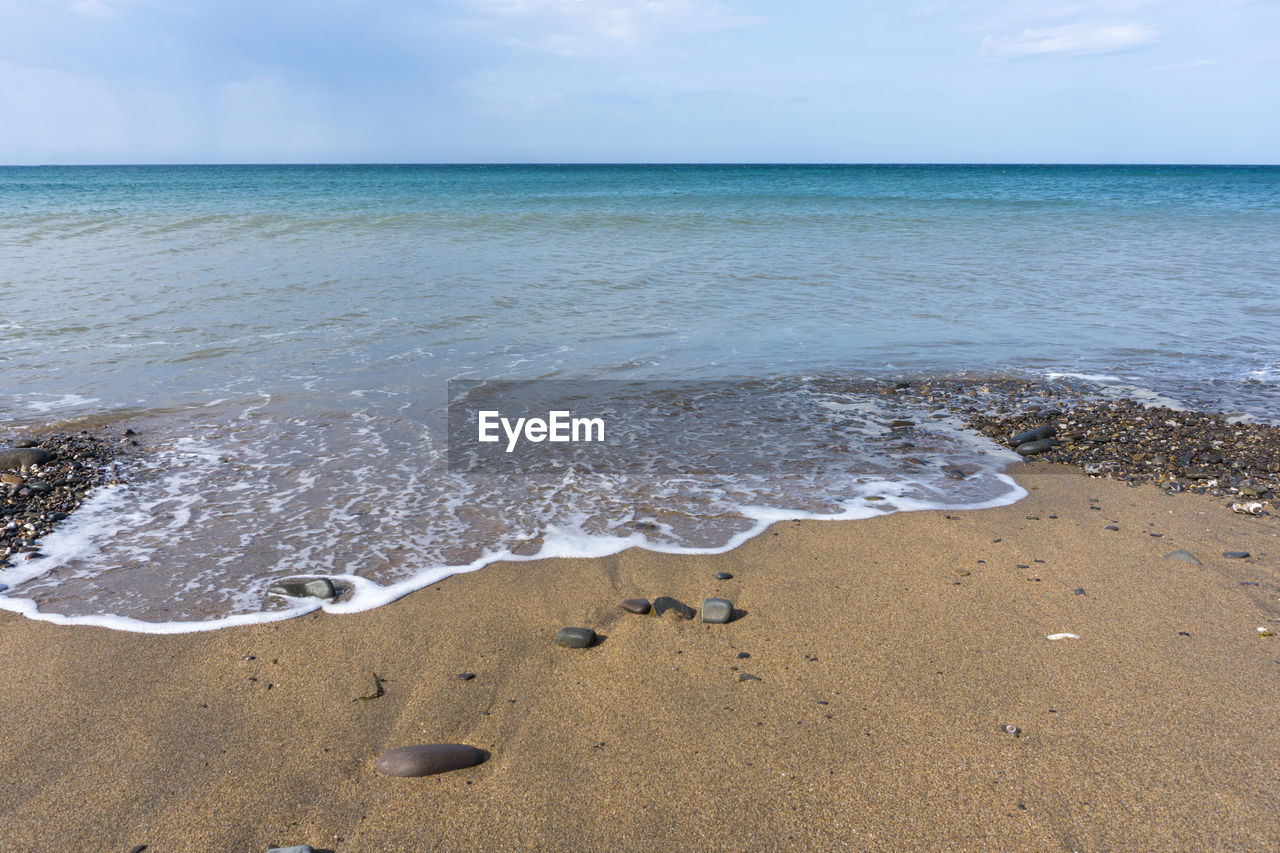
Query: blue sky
(165, 81)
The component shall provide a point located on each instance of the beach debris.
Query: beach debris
(377, 693)
(1264, 631)
(717, 610)
(1011, 729)
(314, 588)
(746, 676)
(297, 848)
(664, 604)
(636, 605)
(723, 576)
(23, 457)
(466, 676)
(1183, 555)
(1080, 590)
(429, 759)
(575, 638)
(1251, 508)
(1063, 636)
(1235, 555)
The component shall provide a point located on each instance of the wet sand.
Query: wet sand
(890, 654)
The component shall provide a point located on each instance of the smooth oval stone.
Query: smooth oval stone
(1235, 555)
(23, 457)
(717, 610)
(575, 638)
(314, 588)
(664, 604)
(636, 605)
(25, 442)
(1040, 432)
(723, 576)
(11, 479)
(1031, 448)
(428, 759)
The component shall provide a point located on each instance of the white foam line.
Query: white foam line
(74, 538)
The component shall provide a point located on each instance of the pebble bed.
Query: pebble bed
(33, 499)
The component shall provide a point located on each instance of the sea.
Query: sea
(290, 345)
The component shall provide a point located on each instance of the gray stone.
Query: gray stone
(575, 638)
(723, 576)
(636, 605)
(1031, 435)
(717, 610)
(23, 457)
(1235, 555)
(314, 588)
(1184, 556)
(428, 759)
(25, 442)
(297, 848)
(1031, 448)
(748, 677)
(664, 604)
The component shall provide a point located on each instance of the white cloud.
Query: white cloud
(1068, 39)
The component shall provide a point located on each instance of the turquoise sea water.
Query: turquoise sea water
(301, 323)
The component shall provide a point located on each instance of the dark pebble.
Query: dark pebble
(25, 442)
(636, 605)
(723, 576)
(747, 677)
(1080, 590)
(1031, 448)
(428, 759)
(575, 638)
(466, 676)
(743, 655)
(1032, 435)
(1235, 555)
(1111, 527)
(665, 604)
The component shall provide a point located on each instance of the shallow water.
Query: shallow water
(283, 337)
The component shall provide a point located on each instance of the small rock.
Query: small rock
(723, 576)
(636, 605)
(466, 676)
(25, 442)
(1011, 729)
(743, 655)
(1235, 555)
(717, 610)
(1080, 590)
(1184, 556)
(744, 676)
(1111, 527)
(314, 588)
(23, 457)
(428, 759)
(575, 638)
(11, 479)
(664, 604)
(1031, 448)
(1032, 435)
(39, 488)
(297, 848)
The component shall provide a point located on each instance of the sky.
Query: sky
(478, 81)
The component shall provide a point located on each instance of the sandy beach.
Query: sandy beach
(887, 657)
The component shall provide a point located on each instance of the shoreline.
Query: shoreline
(890, 652)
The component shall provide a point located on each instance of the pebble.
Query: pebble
(1080, 590)
(1011, 729)
(716, 610)
(297, 848)
(575, 638)
(1184, 556)
(428, 759)
(744, 676)
(25, 442)
(636, 605)
(723, 576)
(665, 604)
(11, 479)
(1235, 555)
(1111, 527)
(1031, 448)
(1038, 434)
(466, 676)
(314, 588)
